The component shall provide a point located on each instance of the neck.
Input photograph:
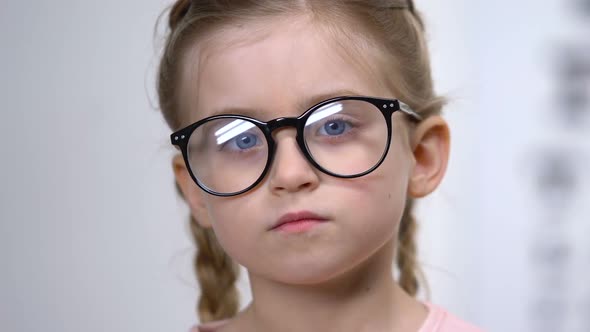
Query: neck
(366, 298)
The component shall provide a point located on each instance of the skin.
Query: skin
(338, 275)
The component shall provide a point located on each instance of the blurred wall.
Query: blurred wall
(93, 237)
(532, 187)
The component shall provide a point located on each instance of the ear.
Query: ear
(430, 143)
(193, 195)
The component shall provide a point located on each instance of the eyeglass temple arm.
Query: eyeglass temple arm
(409, 111)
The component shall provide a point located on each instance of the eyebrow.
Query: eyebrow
(302, 105)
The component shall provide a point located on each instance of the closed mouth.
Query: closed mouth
(298, 217)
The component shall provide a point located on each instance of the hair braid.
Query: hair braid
(410, 272)
(217, 275)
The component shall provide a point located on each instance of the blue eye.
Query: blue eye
(246, 141)
(334, 127)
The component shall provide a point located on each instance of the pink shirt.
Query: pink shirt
(438, 320)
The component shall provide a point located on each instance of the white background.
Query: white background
(93, 237)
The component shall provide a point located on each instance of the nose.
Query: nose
(290, 171)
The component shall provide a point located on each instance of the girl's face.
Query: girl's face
(279, 68)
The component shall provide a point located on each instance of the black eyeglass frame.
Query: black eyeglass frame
(387, 107)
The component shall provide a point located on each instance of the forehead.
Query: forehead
(273, 67)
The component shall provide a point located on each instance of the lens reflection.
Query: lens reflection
(232, 130)
(345, 138)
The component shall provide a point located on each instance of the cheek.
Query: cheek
(386, 188)
(398, 166)
(231, 224)
(389, 183)
(223, 212)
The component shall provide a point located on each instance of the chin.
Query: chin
(312, 274)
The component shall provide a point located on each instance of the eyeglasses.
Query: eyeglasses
(345, 137)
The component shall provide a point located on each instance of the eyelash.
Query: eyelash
(353, 126)
(238, 150)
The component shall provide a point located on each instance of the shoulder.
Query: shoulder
(214, 326)
(440, 320)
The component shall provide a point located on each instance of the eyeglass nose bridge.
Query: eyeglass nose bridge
(283, 122)
(296, 123)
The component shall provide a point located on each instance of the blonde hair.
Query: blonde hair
(398, 28)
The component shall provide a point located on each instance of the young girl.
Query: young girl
(306, 130)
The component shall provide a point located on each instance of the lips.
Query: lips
(297, 216)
